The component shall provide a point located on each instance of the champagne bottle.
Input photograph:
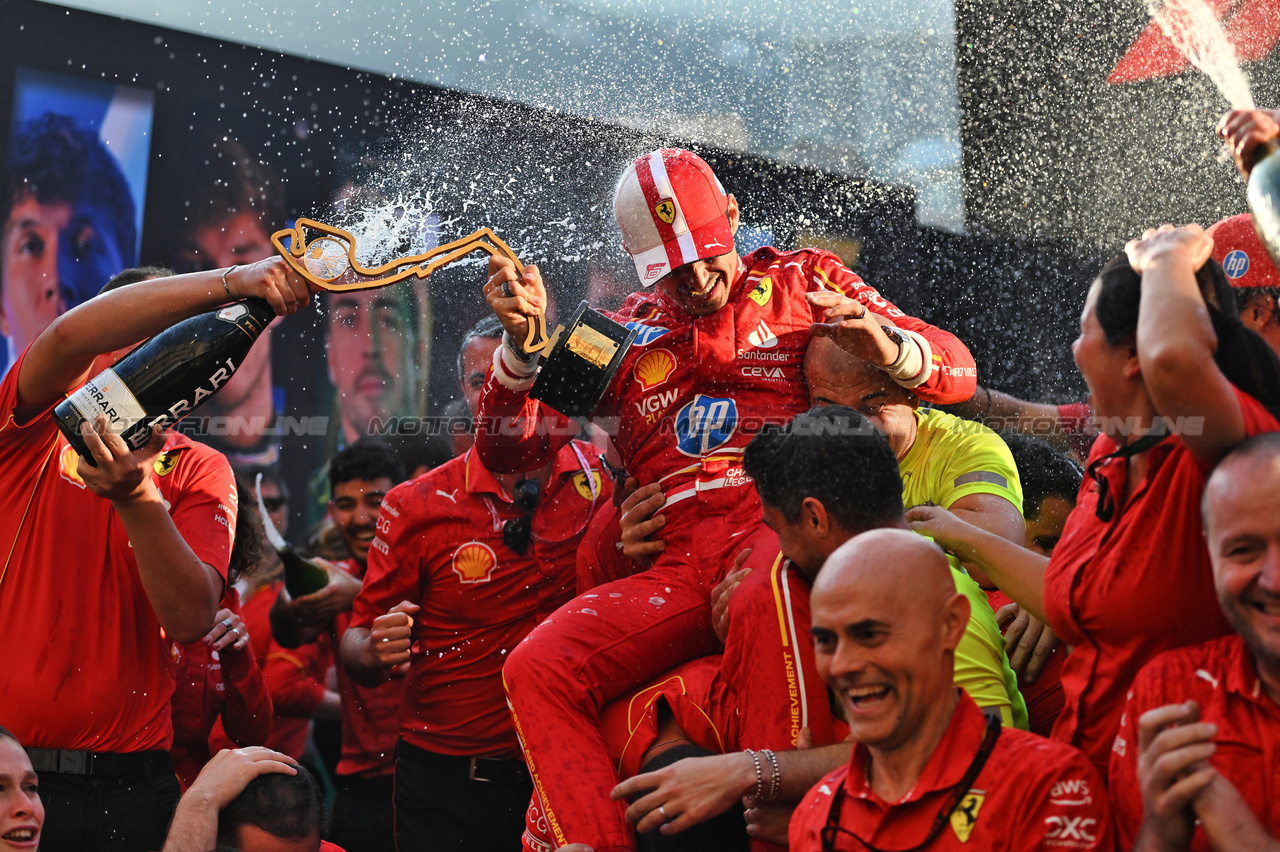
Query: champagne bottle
(167, 377)
(301, 576)
(1264, 197)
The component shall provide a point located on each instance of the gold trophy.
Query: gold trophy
(579, 363)
(326, 259)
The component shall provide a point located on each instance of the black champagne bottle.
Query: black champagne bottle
(1264, 197)
(167, 377)
(301, 575)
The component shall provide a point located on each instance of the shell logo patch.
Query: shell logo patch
(666, 211)
(654, 368)
(69, 467)
(474, 562)
(165, 464)
(586, 489)
(965, 816)
(762, 292)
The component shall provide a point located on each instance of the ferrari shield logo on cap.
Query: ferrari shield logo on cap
(965, 816)
(666, 211)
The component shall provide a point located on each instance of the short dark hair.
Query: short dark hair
(228, 181)
(134, 275)
(488, 328)
(6, 734)
(286, 806)
(54, 159)
(367, 459)
(831, 453)
(1044, 471)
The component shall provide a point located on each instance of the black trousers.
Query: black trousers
(364, 817)
(106, 814)
(440, 805)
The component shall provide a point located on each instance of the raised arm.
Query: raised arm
(1018, 572)
(933, 363)
(1176, 341)
(513, 432)
(61, 357)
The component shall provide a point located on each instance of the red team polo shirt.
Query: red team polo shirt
(69, 582)
(1032, 793)
(439, 544)
(1123, 591)
(370, 715)
(1220, 677)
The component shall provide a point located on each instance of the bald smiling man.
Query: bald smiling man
(930, 770)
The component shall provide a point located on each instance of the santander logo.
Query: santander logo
(763, 337)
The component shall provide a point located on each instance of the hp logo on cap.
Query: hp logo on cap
(1235, 264)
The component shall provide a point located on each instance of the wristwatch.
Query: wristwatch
(899, 338)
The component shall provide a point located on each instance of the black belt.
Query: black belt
(136, 764)
(489, 769)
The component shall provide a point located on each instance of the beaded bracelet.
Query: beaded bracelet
(759, 774)
(775, 784)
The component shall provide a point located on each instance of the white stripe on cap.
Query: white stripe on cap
(688, 252)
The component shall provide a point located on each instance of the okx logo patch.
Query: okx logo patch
(705, 424)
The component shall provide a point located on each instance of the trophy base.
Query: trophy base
(583, 356)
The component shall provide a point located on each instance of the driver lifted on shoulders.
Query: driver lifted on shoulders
(719, 353)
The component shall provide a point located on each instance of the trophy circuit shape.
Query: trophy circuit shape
(325, 259)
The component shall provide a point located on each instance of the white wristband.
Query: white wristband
(914, 364)
(511, 372)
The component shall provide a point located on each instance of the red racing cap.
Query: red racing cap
(1243, 256)
(671, 209)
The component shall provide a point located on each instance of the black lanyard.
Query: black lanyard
(958, 792)
(1106, 506)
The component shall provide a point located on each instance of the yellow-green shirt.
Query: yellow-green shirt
(953, 458)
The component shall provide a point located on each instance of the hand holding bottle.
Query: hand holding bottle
(122, 476)
(271, 279)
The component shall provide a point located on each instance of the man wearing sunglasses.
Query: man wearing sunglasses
(930, 771)
(464, 565)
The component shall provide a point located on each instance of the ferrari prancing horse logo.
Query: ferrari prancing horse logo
(666, 211)
(965, 816)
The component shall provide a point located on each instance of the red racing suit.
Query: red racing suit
(685, 402)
